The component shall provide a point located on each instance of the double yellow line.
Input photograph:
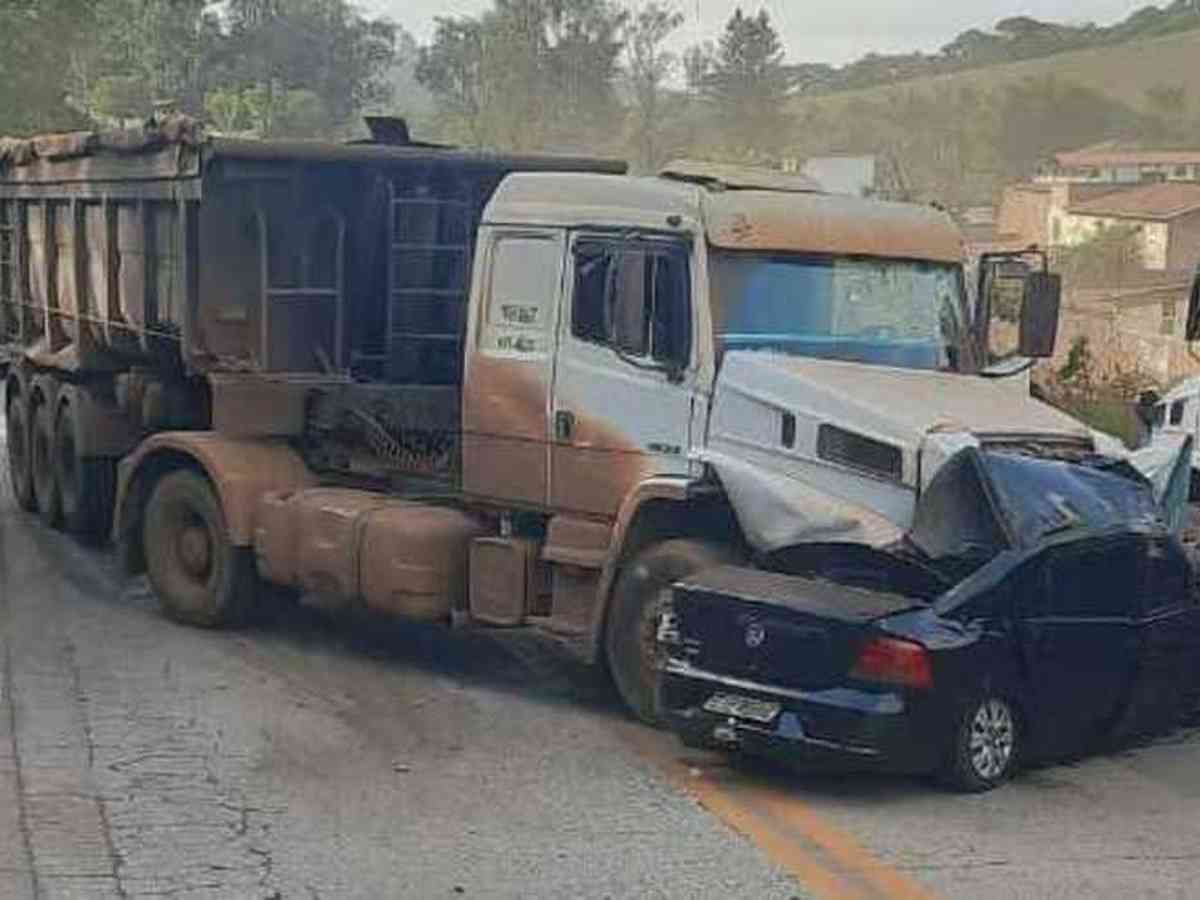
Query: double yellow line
(825, 860)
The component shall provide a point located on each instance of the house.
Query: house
(1026, 210)
(1023, 216)
(1137, 327)
(1165, 216)
(1115, 163)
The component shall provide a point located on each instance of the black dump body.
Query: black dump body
(318, 290)
(167, 247)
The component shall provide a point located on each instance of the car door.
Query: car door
(1078, 636)
(1166, 638)
(624, 382)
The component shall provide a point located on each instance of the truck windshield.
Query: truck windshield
(883, 312)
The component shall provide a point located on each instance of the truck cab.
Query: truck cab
(813, 355)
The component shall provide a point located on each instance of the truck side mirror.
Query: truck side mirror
(1193, 313)
(1042, 297)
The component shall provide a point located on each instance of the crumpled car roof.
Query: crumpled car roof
(984, 502)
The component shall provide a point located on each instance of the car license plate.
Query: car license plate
(743, 708)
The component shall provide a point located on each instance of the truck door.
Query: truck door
(625, 381)
(506, 391)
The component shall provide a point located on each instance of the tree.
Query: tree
(748, 85)
(324, 49)
(452, 69)
(648, 67)
(408, 97)
(38, 42)
(528, 74)
(583, 57)
(142, 52)
(1078, 370)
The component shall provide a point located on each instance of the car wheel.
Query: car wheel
(631, 633)
(986, 745)
(199, 576)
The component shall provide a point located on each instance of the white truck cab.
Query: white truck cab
(813, 355)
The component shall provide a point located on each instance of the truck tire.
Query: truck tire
(199, 576)
(45, 484)
(86, 486)
(20, 467)
(631, 630)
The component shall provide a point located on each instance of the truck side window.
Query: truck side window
(526, 273)
(592, 265)
(1177, 411)
(633, 297)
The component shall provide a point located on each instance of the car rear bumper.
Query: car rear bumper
(842, 727)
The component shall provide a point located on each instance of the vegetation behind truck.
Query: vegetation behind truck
(333, 368)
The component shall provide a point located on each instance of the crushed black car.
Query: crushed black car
(1035, 607)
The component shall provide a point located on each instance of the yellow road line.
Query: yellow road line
(824, 859)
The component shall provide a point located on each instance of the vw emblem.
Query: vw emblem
(755, 635)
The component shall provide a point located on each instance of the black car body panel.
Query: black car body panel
(1067, 594)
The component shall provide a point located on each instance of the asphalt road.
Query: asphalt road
(311, 757)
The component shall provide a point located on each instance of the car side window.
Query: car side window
(1100, 581)
(633, 296)
(1166, 579)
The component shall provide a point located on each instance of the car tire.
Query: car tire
(200, 577)
(20, 462)
(987, 745)
(631, 630)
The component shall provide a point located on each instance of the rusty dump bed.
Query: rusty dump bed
(169, 248)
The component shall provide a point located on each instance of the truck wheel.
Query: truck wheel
(20, 470)
(631, 632)
(199, 576)
(987, 744)
(86, 487)
(45, 485)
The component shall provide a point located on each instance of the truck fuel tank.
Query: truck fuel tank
(360, 548)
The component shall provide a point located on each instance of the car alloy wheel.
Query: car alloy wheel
(986, 746)
(993, 737)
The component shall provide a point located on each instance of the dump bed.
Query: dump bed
(167, 248)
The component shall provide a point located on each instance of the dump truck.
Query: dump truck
(501, 392)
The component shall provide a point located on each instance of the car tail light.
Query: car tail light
(894, 661)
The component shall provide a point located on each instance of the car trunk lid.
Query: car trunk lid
(782, 630)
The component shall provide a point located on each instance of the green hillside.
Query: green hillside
(1123, 72)
(958, 138)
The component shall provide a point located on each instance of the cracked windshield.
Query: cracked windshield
(599, 448)
(889, 313)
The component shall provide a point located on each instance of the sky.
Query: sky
(832, 31)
